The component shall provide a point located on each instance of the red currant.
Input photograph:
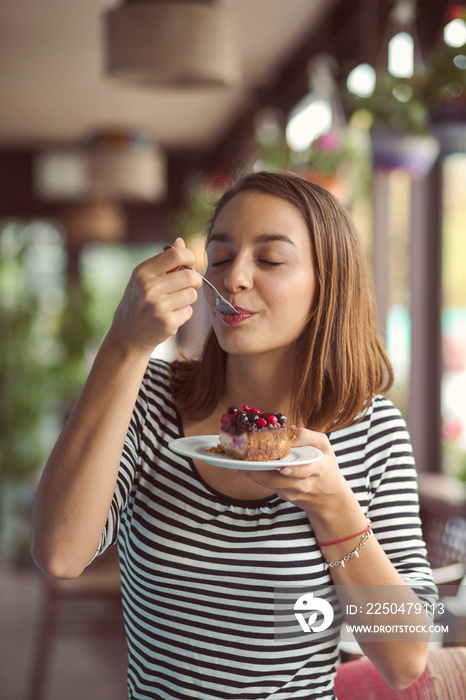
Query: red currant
(261, 423)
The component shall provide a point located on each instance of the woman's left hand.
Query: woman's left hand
(318, 488)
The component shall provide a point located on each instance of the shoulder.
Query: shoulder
(379, 435)
(376, 450)
(157, 374)
(157, 398)
(381, 417)
(156, 386)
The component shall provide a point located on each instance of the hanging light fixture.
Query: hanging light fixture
(96, 219)
(123, 164)
(320, 111)
(126, 164)
(401, 50)
(454, 32)
(172, 42)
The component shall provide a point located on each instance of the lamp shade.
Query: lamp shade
(123, 164)
(126, 164)
(172, 42)
(98, 219)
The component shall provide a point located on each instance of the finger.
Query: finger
(302, 471)
(168, 261)
(181, 245)
(177, 319)
(174, 282)
(179, 299)
(178, 243)
(271, 479)
(178, 256)
(305, 437)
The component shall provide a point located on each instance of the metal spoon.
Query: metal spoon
(221, 303)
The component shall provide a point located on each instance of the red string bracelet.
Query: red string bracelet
(350, 537)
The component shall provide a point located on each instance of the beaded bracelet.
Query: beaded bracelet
(352, 554)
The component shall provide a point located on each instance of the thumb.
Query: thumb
(311, 437)
(179, 243)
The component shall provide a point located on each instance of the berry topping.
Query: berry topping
(225, 420)
(249, 419)
(241, 418)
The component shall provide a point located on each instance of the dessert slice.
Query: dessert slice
(255, 436)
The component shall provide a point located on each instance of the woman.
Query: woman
(203, 549)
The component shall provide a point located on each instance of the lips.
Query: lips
(236, 319)
(246, 312)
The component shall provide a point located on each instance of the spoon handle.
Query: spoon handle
(221, 303)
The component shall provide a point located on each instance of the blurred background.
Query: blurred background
(120, 124)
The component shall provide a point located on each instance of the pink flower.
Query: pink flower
(332, 141)
(456, 12)
(452, 430)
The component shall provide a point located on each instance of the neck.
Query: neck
(261, 381)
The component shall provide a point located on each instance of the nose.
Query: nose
(239, 275)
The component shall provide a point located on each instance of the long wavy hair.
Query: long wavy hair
(339, 358)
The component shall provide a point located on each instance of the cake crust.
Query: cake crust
(254, 436)
(260, 446)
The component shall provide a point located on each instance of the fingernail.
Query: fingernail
(286, 471)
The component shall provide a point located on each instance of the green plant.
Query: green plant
(406, 104)
(22, 379)
(396, 104)
(445, 76)
(45, 330)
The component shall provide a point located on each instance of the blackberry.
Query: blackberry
(232, 409)
(241, 418)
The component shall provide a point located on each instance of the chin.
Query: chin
(241, 346)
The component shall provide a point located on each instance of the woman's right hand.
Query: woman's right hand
(157, 300)
(75, 493)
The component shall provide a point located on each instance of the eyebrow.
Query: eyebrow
(261, 238)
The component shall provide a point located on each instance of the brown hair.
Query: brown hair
(340, 362)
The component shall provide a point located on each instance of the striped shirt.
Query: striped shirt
(202, 572)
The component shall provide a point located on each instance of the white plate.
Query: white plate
(197, 447)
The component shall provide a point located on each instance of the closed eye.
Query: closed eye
(270, 263)
(217, 263)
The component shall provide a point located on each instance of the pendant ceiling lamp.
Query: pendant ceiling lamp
(126, 164)
(173, 42)
(123, 164)
(96, 219)
(401, 50)
(321, 110)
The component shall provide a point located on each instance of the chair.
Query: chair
(88, 604)
(443, 679)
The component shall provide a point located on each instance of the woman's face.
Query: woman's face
(259, 258)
